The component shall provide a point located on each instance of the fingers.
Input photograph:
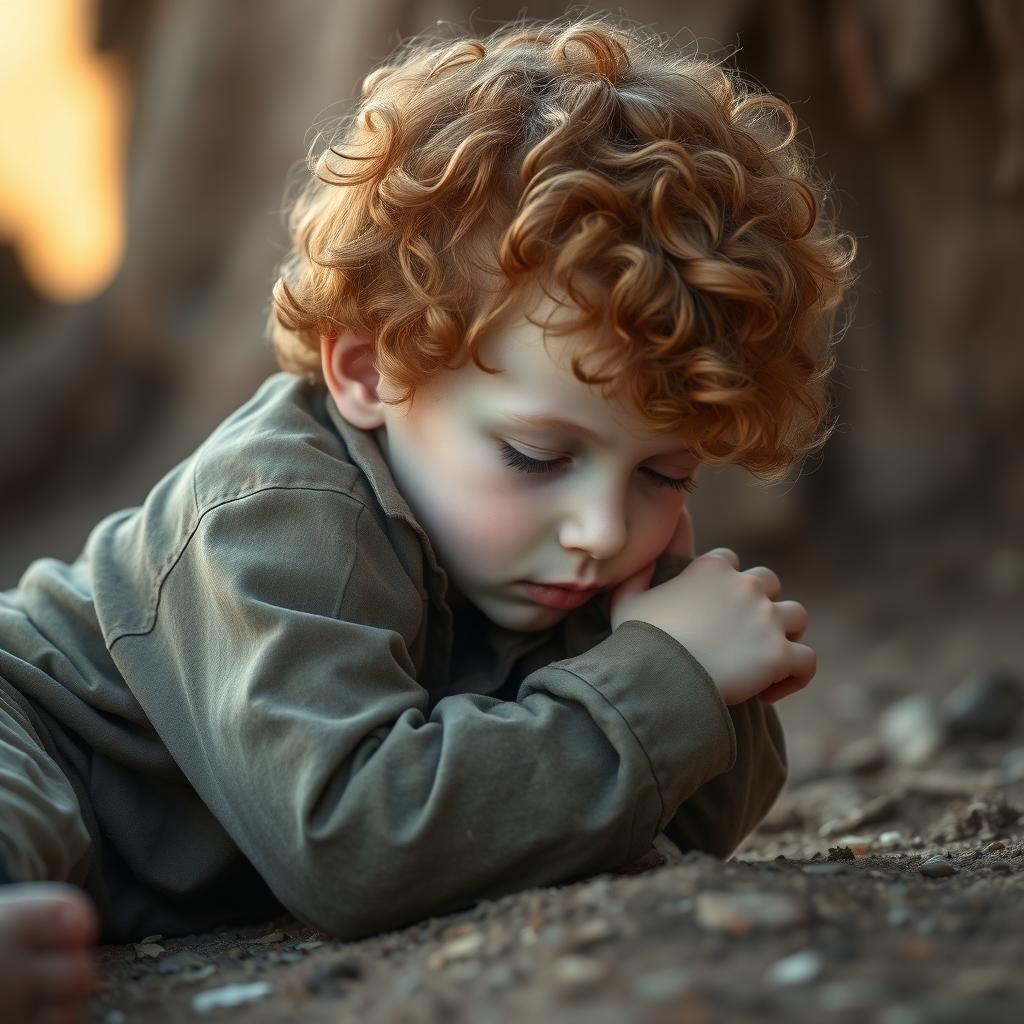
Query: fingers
(769, 581)
(778, 690)
(726, 554)
(793, 617)
(804, 663)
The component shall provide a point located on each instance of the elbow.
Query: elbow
(356, 901)
(346, 908)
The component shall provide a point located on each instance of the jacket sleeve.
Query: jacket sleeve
(278, 672)
(725, 809)
(719, 815)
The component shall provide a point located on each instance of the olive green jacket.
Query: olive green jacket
(263, 698)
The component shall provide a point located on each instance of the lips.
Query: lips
(556, 595)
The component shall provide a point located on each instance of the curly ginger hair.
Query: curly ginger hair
(573, 154)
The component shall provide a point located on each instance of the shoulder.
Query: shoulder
(281, 439)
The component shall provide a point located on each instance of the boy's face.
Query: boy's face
(470, 465)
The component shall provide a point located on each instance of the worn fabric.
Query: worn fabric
(43, 836)
(264, 696)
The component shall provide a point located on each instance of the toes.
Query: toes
(48, 916)
(61, 981)
(59, 1013)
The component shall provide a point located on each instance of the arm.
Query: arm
(725, 809)
(728, 807)
(278, 671)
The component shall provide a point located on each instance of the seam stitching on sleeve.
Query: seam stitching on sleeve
(612, 705)
(723, 708)
(120, 632)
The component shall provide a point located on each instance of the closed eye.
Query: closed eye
(517, 460)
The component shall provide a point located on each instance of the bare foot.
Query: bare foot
(47, 934)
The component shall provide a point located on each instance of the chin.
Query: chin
(522, 618)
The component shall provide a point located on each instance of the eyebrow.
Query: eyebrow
(557, 422)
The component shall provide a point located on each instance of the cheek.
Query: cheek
(659, 526)
(493, 519)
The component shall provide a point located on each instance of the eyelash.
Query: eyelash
(517, 460)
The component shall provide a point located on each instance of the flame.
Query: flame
(61, 149)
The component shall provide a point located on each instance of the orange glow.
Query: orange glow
(61, 177)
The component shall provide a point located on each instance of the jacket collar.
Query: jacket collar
(364, 448)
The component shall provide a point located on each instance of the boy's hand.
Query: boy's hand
(730, 621)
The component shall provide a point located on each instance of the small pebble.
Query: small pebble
(840, 854)
(458, 949)
(992, 847)
(230, 995)
(662, 986)
(937, 867)
(178, 962)
(578, 971)
(270, 938)
(150, 949)
(739, 913)
(911, 730)
(798, 969)
(858, 845)
(887, 840)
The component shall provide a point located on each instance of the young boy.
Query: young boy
(418, 624)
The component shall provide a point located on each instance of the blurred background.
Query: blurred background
(143, 165)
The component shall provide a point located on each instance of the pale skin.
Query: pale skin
(612, 501)
(47, 934)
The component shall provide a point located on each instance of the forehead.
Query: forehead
(536, 388)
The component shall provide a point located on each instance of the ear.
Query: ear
(352, 378)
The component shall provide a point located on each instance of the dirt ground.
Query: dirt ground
(908, 746)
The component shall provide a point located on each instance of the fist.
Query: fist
(731, 621)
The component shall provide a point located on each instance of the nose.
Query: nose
(596, 524)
